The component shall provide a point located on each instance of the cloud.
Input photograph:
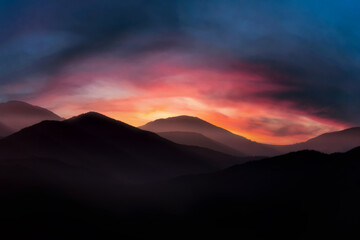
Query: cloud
(310, 51)
(282, 127)
(236, 60)
(49, 34)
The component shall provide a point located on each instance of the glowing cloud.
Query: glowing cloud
(140, 90)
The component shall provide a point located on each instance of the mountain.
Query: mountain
(17, 115)
(300, 195)
(197, 139)
(340, 141)
(104, 145)
(197, 125)
(65, 178)
(4, 130)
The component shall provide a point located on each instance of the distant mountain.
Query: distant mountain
(4, 130)
(340, 141)
(17, 115)
(197, 139)
(122, 152)
(197, 125)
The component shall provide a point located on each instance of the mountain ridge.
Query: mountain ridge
(330, 142)
(95, 141)
(338, 141)
(17, 115)
(194, 124)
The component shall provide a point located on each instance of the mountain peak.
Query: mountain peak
(92, 115)
(98, 121)
(331, 142)
(182, 120)
(349, 132)
(185, 117)
(17, 114)
(16, 105)
(16, 102)
(19, 107)
(196, 125)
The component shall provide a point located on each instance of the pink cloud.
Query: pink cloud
(167, 84)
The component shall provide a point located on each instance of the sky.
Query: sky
(274, 71)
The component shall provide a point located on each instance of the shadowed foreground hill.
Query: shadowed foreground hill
(122, 152)
(301, 195)
(71, 178)
(197, 125)
(17, 115)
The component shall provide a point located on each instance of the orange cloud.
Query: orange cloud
(140, 90)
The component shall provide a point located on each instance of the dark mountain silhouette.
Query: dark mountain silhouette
(300, 195)
(197, 125)
(72, 178)
(197, 139)
(125, 153)
(17, 115)
(4, 130)
(340, 141)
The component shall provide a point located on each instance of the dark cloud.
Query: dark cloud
(321, 85)
(311, 48)
(80, 28)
